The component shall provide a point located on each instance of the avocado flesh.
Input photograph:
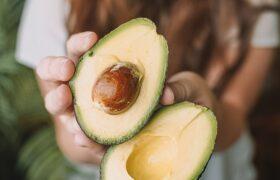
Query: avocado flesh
(176, 144)
(152, 158)
(136, 42)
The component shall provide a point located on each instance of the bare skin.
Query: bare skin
(231, 109)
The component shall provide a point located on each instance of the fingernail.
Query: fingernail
(168, 96)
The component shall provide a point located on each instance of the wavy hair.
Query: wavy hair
(195, 29)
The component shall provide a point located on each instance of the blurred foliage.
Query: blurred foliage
(40, 158)
(27, 143)
(28, 149)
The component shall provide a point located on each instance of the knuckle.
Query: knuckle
(48, 66)
(42, 65)
(56, 101)
(67, 70)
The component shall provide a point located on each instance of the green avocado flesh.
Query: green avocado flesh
(175, 145)
(135, 42)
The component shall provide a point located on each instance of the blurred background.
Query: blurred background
(27, 143)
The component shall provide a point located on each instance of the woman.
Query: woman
(220, 54)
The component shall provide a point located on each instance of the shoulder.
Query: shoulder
(42, 30)
(266, 31)
(35, 9)
(263, 2)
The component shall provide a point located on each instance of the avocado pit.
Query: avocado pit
(117, 88)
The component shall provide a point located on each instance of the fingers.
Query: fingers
(78, 44)
(186, 86)
(55, 69)
(58, 100)
(71, 150)
(70, 123)
(80, 139)
(62, 68)
(182, 90)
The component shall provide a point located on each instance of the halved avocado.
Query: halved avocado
(137, 48)
(176, 144)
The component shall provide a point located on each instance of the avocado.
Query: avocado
(176, 144)
(118, 82)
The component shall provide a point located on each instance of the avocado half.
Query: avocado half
(135, 42)
(176, 144)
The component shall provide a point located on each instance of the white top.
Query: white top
(43, 32)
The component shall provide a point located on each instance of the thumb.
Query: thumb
(176, 92)
(188, 86)
(181, 87)
(181, 90)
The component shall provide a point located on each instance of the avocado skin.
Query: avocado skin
(117, 140)
(202, 172)
(197, 174)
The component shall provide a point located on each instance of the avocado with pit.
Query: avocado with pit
(118, 83)
(176, 144)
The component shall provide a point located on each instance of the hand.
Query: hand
(54, 74)
(188, 86)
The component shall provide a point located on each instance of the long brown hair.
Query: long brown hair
(194, 29)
